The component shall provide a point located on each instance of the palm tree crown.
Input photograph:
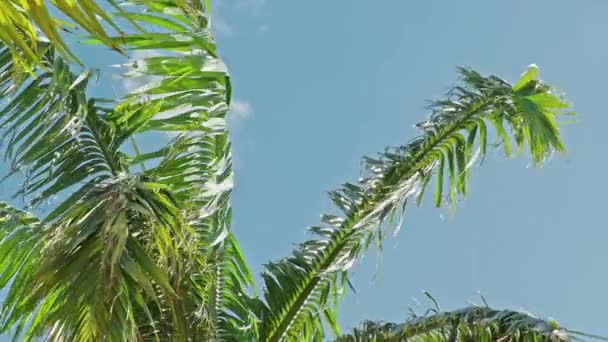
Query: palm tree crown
(137, 243)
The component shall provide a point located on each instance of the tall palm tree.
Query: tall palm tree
(122, 243)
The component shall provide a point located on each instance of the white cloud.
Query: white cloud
(240, 110)
(131, 83)
(223, 9)
(221, 27)
(262, 29)
(253, 7)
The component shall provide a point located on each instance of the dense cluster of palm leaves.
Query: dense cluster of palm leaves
(134, 244)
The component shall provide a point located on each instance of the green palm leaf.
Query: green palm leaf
(136, 228)
(189, 99)
(55, 134)
(299, 289)
(24, 24)
(468, 324)
(126, 232)
(137, 243)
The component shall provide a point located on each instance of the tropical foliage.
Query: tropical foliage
(468, 324)
(119, 243)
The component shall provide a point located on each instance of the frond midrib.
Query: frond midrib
(348, 229)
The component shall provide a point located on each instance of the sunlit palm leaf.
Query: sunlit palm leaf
(127, 228)
(469, 324)
(138, 245)
(55, 134)
(299, 289)
(186, 97)
(23, 21)
(92, 267)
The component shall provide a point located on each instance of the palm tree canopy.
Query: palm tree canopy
(469, 324)
(25, 24)
(137, 243)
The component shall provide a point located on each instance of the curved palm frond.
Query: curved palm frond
(24, 24)
(62, 140)
(93, 262)
(300, 288)
(55, 134)
(468, 324)
(163, 228)
(139, 246)
(188, 99)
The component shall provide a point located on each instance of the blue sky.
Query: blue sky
(322, 83)
(319, 84)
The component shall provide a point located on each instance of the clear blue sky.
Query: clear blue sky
(319, 84)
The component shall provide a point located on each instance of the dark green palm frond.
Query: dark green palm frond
(61, 140)
(299, 289)
(469, 324)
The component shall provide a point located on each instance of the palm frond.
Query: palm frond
(24, 24)
(300, 288)
(124, 233)
(55, 134)
(468, 324)
(166, 230)
(185, 101)
(139, 246)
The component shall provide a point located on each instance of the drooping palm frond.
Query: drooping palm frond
(148, 231)
(299, 289)
(138, 246)
(94, 261)
(188, 98)
(123, 227)
(26, 23)
(468, 324)
(56, 135)
(156, 219)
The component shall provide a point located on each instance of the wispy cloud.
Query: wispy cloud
(131, 83)
(221, 27)
(253, 7)
(240, 110)
(262, 29)
(225, 12)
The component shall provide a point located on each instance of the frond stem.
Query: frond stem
(360, 214)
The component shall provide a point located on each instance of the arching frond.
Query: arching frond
(155, 219)
(468, 324)
(136, 244)
(25, 23)
(55, 135)
(113, 251)
(186, 97)
(298, 289)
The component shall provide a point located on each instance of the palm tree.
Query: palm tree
(468, 324)
(120, 243)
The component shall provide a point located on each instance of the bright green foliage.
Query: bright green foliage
(151, 229)
(26, 24)
(136, 244)
(298, 287)
(469, 324)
